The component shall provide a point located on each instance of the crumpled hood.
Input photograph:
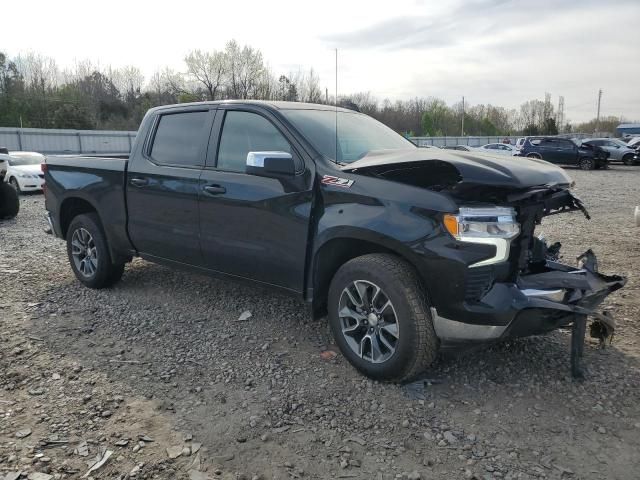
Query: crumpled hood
(472, 167)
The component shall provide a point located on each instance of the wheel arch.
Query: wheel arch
(336, 251)
(75, 205)
(70, 208)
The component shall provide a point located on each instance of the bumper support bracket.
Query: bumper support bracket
(577, 345)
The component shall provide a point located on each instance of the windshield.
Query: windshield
(620, 143)
(18, 161)
(358, 134)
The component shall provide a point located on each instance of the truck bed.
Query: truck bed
(98, 182)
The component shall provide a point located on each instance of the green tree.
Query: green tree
(550, 127)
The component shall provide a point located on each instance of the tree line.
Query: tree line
(35, 92)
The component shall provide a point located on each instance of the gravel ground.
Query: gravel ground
(161, 371)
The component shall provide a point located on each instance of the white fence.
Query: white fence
(50, 141)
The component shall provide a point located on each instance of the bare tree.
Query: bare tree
(128, 80)
(39, 72)
(246, 69)
(308, 86)
(209, 69)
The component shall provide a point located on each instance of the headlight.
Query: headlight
(490, 225)
(27, 175)
(491, 222)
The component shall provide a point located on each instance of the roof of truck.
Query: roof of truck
(266, 103)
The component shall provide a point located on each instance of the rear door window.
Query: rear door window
(179, 138)
(564, 144)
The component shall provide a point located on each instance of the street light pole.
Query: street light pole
(462, 133)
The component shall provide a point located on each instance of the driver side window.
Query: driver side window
(245, 132)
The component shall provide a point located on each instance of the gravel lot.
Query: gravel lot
(161, 372)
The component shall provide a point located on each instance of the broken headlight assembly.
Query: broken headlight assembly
(488, 225)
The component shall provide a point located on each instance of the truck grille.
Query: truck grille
(479, 281)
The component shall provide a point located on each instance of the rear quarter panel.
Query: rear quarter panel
(98, 181)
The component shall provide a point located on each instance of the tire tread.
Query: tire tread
(113, 271)
(425, 346)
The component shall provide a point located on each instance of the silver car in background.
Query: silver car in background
(618, 150)
(498, 148)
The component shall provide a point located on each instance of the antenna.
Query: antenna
(336, 104)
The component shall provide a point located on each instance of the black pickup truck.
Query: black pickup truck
(405, 249)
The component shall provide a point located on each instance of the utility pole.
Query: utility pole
(560, 120)
(462, 133)
(598, 115)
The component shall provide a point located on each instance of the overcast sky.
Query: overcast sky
(491, 51)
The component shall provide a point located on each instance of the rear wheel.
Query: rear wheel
(89, 254)
(380, 318)
(16, 186)
(628, 159)
(534, 155)
(586, 163)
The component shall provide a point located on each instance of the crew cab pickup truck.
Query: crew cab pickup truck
(406, 250)
(563, 151)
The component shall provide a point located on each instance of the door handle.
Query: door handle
(214, 189)
(139, 182)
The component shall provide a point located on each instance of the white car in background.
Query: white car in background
(24, 172)
(498, 148)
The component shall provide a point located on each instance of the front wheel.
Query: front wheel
(89, 254)
(628, 159)
(534, 155)
(586, 163)
(380, 318)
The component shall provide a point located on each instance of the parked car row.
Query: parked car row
(587, 154)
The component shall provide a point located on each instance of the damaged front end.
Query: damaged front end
(520, 288)
(554, 294)
(548, 284)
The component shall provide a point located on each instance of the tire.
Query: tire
(9, 201)
(586, 163)
(534, 155)
(16, 186)
(86, 238)
(628, 159)
(414, 347)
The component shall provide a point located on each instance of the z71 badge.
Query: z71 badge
(337, 181)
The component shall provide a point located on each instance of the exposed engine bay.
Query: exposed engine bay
(549, 293)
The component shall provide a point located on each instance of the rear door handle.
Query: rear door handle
(139, 182)
(214, 189)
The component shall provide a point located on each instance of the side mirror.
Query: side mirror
(270, 164)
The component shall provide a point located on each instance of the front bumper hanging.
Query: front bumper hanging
(577, 291)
